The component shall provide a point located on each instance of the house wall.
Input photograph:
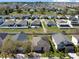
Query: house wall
(74, 40)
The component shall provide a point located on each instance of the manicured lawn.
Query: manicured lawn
(53, 29)
(24, 30)
(56, 29)
(68, 30)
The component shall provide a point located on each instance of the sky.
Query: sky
(39, 0)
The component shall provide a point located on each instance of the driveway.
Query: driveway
(45, 30)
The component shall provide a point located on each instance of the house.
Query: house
(75, 39)
(36, 23)
(50, 23)
(40, 44)
(72, 17)
(18, 17)
(21, 36)
(61, 42)
(44, 17)
(8, 23)
(35, 17)
(74, 21)
(22, 23)
(26, 17)
(61, 17)
(63, 23)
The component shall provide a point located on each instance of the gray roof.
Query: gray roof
(50, 22)
(20, 36)
(40, 42)
(10, 22)
(38, 38)
(58, 38)
(3, 35)
(23, 22)
(36, 21)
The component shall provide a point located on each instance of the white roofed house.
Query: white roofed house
(40, 44)
(61, 43)
(61, 23)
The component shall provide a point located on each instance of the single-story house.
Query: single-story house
(40, 44)
(61, 42)
(61, 17)
(21, 23)
(9, 23)
(26, 17)
(50, 23)
(35, 23)
(74, 22)
(63, 23)
(72, 17)
(18, 17)
(21, 36)
(7, 18)
(75, 39)
(44, 17)
(35, 17)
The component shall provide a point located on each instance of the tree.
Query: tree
(19, 11)
(6, 12)
(43, 11)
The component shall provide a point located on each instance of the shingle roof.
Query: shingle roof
(39, 40)
(36, 21)
(10, 22)
(23, 22)
(3, 35)
(20, 36)
(50, 22)
(58, 38)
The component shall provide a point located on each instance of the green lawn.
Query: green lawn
(24, 30)
(53, 29)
